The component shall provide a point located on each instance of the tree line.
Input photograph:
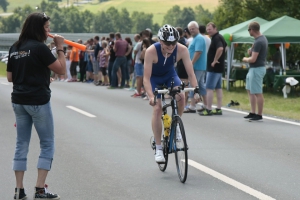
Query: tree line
(71, 20)
(226, 14)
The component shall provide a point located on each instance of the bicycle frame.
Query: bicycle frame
(174, 141)
(174, 106)
(172, 92)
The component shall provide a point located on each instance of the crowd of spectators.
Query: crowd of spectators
(115, 62)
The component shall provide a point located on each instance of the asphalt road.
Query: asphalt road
(107, 154)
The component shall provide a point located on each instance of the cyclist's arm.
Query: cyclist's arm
(148, 61)
(185, 56)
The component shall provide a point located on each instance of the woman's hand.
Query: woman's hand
(59, 41)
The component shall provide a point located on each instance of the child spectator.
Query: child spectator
(103, 62)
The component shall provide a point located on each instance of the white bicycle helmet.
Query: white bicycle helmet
(168, 33)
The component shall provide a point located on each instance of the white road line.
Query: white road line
(81, 111)
(265, 117)
(230, 181)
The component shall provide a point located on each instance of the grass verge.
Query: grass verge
(2, 69)
(275, 105)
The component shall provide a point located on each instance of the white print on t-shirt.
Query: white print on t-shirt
(20, 54)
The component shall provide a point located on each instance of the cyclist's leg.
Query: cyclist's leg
(157, 112)
(156, 122)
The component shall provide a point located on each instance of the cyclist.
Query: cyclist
(159, 70)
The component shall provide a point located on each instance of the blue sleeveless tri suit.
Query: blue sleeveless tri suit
(162, 74)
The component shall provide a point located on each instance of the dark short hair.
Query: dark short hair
(180, 31)
(33, 28)
(146, 42)
(96, 37)
(254, 26)
(187, 31)
(137, 36)
(118, 35)
(128, 40)
(202, 29)
(212, 24)
(111, 35)
(146, 33)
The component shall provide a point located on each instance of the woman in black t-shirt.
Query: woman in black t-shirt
(28, 67)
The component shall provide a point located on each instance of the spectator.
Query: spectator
(112, 55)
(187, 35)
(257, 71)
(180, 66)
(82, 63)
(31, 98)
(97, 73)
(89, 65)
(145, 44)
(68, 63)
(215, 68)
(74, 58)
(120, 48)
(53, 51)
(276, 58)
(129, 61)
(112, 58)
(137, 38)
(103, 59)
(202, 30)
(138, 68)
(148, 34)
(197, 50)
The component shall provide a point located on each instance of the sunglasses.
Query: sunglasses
(45, 17)
(170, 43)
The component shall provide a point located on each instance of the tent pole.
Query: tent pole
(282, 56)
(229, 61)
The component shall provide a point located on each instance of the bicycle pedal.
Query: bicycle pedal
(152, 143)
(153, 146)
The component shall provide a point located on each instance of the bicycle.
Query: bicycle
(174, 139)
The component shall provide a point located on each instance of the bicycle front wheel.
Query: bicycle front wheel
(180, 149)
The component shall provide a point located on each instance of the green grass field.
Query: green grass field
(275, 104)
(2, 69)
(157, 7)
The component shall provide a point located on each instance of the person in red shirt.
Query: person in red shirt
(120, 48)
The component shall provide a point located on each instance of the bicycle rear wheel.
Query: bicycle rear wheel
(163, 166)
(180, 148)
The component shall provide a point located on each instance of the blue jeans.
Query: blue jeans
(41, 117)
(119, 62)
(200, 76)
(139, 69)
(127, 71)
(110, 66)
(213, 80)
